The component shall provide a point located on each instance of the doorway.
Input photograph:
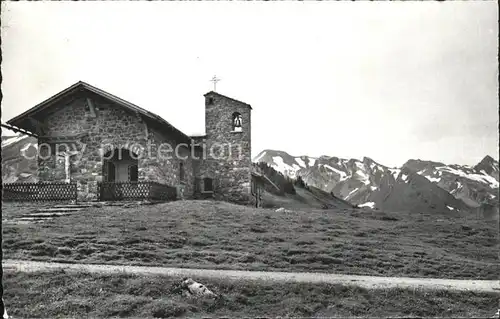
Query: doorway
(120, 173)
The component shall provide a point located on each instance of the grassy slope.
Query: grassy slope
(219, 235)
(313, 198)
(57, 294)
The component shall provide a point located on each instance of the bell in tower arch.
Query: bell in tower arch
(237, 122)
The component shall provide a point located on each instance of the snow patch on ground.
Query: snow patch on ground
(373, 188)
(450, 208)
(367, 204)
(404, 177)
(301, 162)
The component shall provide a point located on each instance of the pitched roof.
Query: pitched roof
(226, 97)
(16, 121)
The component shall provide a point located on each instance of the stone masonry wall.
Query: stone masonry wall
(164, 164)
(231, 172)
(113, 127)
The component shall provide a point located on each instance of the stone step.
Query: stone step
(44, 215)
(28, 220)
(73, 206)
(59, 210)
(121, 203)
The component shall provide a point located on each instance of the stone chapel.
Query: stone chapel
(88, 136)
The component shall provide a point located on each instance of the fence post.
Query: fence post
(180, 192)
(93, 190)
(75, 192)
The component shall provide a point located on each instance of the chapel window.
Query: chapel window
(208, 185)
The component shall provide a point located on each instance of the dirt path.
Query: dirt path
(372, 282)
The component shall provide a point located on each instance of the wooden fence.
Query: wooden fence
(41, 191)
(115, 191)
(61, 191)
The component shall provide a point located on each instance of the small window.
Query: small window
(181, 172)
(208, 185)
(210, 101)
(237, 121)
(133, 173)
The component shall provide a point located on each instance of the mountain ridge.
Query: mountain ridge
(416, 185)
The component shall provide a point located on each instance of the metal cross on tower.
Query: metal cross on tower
(215, 80)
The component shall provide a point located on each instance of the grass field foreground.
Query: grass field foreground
(62, 295)
(208, 234)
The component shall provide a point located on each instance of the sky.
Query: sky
(386, 80)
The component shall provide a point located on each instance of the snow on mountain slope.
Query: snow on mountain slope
(489, 166)
(412, 192)
(353, 178)
(259, 158)
(283, 167)
(301, 162)
(483, 177)
(8, 140)
(17, 162)
(365, 179)
(473, 185)
(283, 162)
(343, 175)
(395, 172)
